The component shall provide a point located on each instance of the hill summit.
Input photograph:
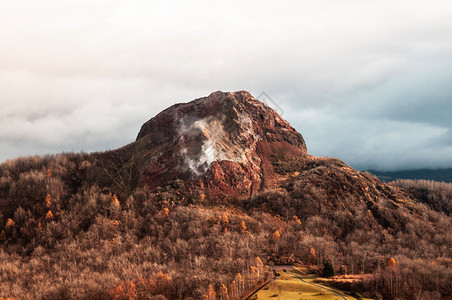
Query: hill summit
(223, 143)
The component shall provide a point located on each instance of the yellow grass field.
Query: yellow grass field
(288, 286)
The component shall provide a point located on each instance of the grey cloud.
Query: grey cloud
(378, 143)
(444, 140)
(419, 94)
(357, 79)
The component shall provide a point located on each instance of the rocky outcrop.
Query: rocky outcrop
(222, 143)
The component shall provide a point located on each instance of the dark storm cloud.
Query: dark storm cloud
(365, 82)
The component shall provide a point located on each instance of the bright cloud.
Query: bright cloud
(368, 82)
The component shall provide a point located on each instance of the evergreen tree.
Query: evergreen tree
(328, 270)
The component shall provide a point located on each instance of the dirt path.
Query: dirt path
(296, 283)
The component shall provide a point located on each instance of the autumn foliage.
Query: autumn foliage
(48, 201)
(392, 265)
(126, 290)
(81, 233)
(49, 215)
(10, 223)
(242, 226)
(241, 285)
(115, 202)
(210, 294)
(160, 285)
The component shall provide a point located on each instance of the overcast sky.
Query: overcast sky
(369, 82)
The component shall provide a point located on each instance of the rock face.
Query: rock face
(223, 143)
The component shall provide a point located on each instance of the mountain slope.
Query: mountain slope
(210, 192)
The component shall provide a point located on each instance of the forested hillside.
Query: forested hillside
(437, 195)
(69, 231)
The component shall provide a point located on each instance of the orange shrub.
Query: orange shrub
(392, 264)
(259, 262)
(224, 220)
(10, 223)
(210, 294)
(115, 202)
(162, 284)
(223, 292)
(165, 211)
(243, 226)
(49, 215)
(125, 290)
(312, 252)
(48, 200)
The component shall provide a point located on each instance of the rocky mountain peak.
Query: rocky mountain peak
(221, 127)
